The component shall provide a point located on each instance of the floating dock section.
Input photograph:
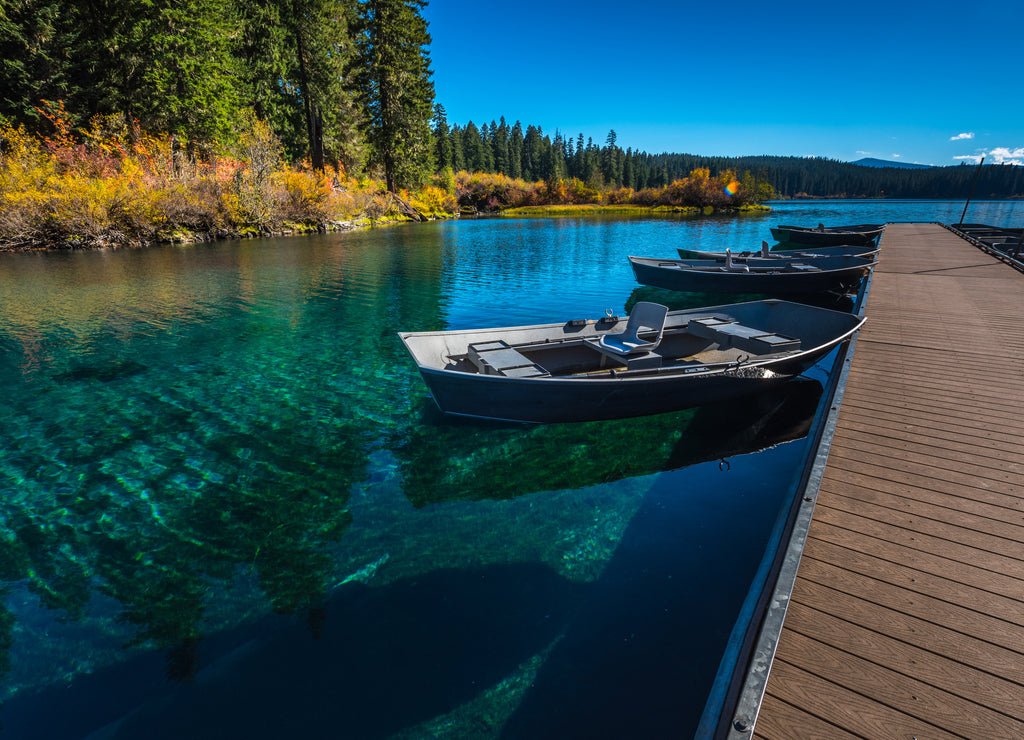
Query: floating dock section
(905, 614)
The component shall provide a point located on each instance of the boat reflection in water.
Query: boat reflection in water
(443, 461)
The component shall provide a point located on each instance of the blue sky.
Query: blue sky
(928, 82)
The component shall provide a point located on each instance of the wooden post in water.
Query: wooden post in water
(976, 175)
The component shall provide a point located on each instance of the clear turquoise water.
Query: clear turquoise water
(229, 508)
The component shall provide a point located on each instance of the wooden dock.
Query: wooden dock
(906, 619)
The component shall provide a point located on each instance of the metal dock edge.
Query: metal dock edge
(740, 708)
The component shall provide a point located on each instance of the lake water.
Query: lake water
(229, 508)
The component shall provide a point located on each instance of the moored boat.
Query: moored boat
(771, 276)
(844, 250)
(822, 235)
(584, 370)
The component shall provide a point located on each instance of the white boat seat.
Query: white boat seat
(644, 316)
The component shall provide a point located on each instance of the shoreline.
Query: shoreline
(181, 236)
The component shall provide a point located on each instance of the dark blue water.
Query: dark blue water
(229, 508)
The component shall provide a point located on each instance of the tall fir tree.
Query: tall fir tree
(458, 149)
(320, 30)
(294, 53)
(442, 139)
(515, 151)
(391, 74)
(168, 63)
(38, 60)
(472, 148)
(499, 136)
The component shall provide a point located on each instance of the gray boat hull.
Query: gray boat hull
(706, 276)
(685, 379)
(551, 400)
(825, 237)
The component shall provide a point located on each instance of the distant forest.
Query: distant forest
(345, 86)
(531, 155)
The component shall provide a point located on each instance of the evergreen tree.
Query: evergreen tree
(515, 151)
(392, 79)
(168, 63)
(458, 150)
(628, 172)
(579, 168)
(320, 30)
(486, 149)
(442, 140)
(499, 136)
(38, 39)
(532, 153)
(552, 162)
(473, 148)
(267, 63)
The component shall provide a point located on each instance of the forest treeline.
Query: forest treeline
(341, 83)
(532, 155)
(129, 121)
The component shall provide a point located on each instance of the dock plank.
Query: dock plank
(907, 615)
(797, 723)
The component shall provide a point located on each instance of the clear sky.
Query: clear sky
(934, 82)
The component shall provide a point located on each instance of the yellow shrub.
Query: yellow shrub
(433, 202)
(308, 196)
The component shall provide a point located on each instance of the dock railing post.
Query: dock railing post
(976, 175)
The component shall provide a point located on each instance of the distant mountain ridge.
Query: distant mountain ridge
(872, 162)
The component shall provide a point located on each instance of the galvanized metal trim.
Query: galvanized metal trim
(999, 254)
(748, 703)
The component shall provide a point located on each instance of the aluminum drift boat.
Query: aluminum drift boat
(824, 236)
(585, 370)
(771, 276)
(844, 250)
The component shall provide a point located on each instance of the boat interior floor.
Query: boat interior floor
(709, 340)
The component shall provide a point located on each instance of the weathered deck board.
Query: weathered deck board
(907, 616)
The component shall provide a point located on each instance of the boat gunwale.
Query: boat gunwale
(714, 268)
(617, 375)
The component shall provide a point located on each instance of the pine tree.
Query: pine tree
(515, 151)
(391, 73)
(472, 148)
(458, 149)
(500, 136)
(486, 149)
(442, 140)
(628, 172)
(532, 153)
(38, 39)
(319, 30)
(168, 63)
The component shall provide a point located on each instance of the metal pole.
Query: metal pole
(1020, 242)
(976, 174)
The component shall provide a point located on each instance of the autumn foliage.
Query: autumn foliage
(114, 184)
(494, 192)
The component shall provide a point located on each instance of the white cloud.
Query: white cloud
(1005, 155)
(897, 156)
(999, 155)
(959, 137)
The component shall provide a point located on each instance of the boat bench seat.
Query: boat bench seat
(635, 361)
(497, 358)
(728, 333)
